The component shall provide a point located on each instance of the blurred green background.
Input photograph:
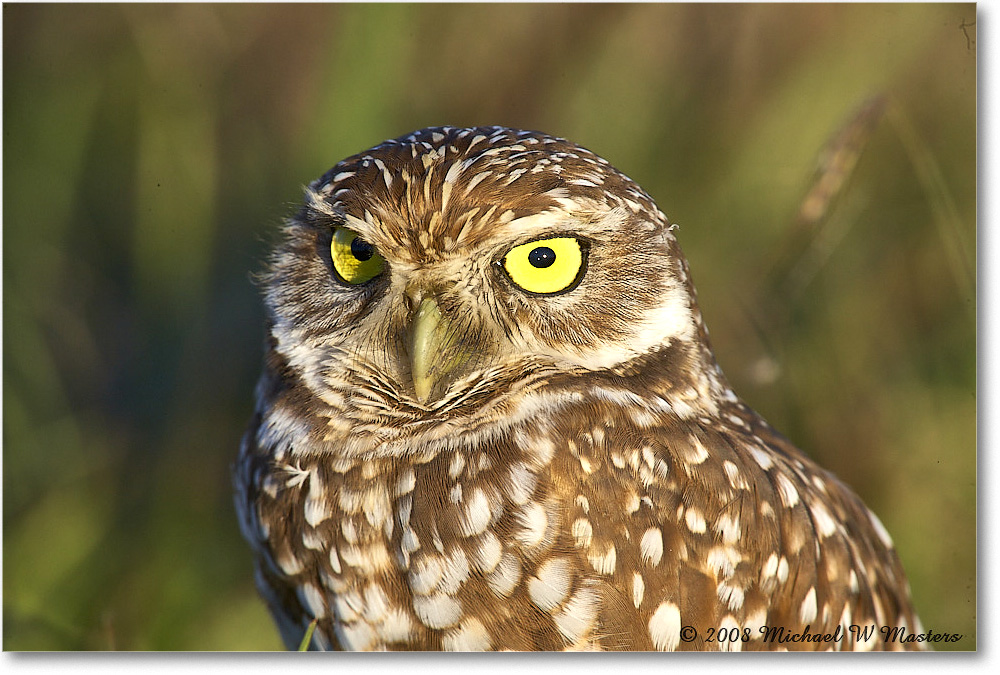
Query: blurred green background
(150, 153)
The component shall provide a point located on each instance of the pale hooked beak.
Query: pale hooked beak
(434, 349)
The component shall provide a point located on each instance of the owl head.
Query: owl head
(457, 277)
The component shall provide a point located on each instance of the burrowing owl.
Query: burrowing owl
(490, 418)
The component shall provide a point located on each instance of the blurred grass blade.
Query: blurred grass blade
(307, 638)
(958, 248)
(806, 243)
(812, 236)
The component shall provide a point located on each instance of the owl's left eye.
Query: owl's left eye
(545, 266)
(354, 259)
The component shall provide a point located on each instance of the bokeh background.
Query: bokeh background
(150, 152)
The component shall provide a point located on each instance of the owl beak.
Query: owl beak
(432, 349)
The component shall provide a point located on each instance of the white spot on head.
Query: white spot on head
(651, 546)
(620, 397)
(449, 182)
(478, 178)
(665, 627)
(551, 583)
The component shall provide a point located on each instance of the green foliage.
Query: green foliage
(150, 151)
(307, 638)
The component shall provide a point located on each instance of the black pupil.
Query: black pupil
(361, 249)
(541, 257)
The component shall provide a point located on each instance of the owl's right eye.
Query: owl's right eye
(354, 259)
(546, 266)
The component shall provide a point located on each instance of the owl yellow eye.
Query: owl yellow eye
(354, 258)
(545, 266)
